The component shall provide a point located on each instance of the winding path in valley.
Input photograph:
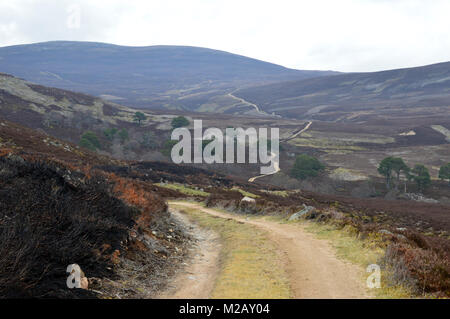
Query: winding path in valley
(298, 133)
(247, 103)
(276, 164)
(311, 264)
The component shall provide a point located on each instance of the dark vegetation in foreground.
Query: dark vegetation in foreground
(51, 219)
(55, 210)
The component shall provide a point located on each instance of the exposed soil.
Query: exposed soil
(196, 279)
(311, 264)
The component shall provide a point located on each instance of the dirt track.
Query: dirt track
(311, 264)
(299, 132)
(248, 103)
(276, 165)
(276, 169)
(196, 279)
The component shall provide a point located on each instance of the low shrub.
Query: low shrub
(422, 270)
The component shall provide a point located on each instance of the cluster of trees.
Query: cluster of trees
(91, 141)
(180, 121)
(111, 133)
(393, 168)
(148, 140)
(306, 166)
(444, 172)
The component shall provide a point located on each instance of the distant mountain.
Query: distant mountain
(174, 77)
(413, 92)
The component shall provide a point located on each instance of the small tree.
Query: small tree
(385, 169)
(90, 141)
(110, 133)
(123, 135)
(444, 172)
(391, 166)
(180, 121)
(421, 176)
(306, 166)
(139, 117)
(84, 142)
(398, 167)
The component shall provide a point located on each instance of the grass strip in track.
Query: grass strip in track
(250, 263)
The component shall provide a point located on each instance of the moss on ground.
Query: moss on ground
(184, 189)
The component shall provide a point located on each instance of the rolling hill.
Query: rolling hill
(174, 77)
(59, 112)
(413, 92)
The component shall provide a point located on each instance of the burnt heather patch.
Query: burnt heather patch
(51, 217)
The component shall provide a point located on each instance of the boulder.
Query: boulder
(248, 199)
(247, 205)
(84, 283)
(306, 210)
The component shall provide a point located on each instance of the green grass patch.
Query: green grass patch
(322, 143)
(277, 193)
(184, 189)
(245, 193)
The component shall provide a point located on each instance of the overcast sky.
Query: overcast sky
(344, 35)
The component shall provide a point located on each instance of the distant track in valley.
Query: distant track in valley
(276, 165)
(247, 103)
(276, 169)
(298, 133)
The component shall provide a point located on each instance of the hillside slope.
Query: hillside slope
(62, 113)
(421, 91)
(56, 210)
(152, 76)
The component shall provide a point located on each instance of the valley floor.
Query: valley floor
(299, 265)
